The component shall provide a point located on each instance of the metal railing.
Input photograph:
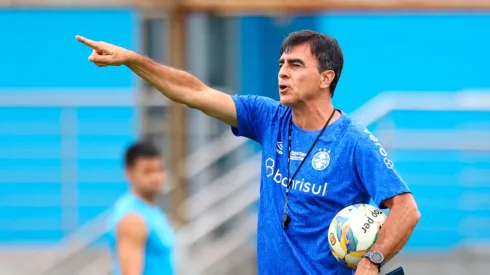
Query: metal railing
(223, 187)
(70, 246)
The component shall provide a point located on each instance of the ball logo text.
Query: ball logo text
(370, 221)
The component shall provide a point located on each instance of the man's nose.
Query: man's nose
(283, 72)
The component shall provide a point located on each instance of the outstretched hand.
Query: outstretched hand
(105, 54)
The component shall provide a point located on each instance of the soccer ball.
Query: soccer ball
(353, 231)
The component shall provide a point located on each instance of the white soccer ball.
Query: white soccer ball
(353, 231)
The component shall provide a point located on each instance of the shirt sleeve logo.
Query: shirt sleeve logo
(389, 164)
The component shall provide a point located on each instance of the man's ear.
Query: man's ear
(326, 79)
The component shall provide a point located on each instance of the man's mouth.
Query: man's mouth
(283, 88)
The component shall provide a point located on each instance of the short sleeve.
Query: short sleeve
(376, 171)
(254, 115)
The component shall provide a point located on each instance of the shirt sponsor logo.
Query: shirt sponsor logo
(301, 185)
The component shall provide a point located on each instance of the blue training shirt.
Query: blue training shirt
(159, 247)
(347, 166)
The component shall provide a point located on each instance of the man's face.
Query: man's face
(299, 78)
(146, 175)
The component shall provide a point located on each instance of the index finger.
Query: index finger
(92, 44)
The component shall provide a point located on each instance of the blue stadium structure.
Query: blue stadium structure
(61, 143)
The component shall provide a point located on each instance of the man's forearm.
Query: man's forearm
(396, 230)
(177, 85)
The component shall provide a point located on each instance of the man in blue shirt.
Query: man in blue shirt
(316, 160)
(141, 240)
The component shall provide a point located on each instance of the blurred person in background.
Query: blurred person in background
(140, 237)
(327, 162)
